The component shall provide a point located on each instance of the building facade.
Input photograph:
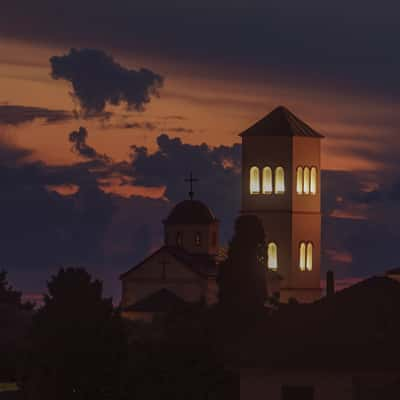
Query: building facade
(281, 184)
(182, 271)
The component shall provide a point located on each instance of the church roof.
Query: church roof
(202, 264)
(160, 301)
(281, 122)
(190, 212)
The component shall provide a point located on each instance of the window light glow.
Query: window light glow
(254, 180)
(309, 256)
(272, 255)
(313, 183)
(267, 180)
(302, 261)
(306, 180)
(279, 180)
(299, 180)
(306, 256)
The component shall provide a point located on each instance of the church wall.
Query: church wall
(287, 218)
(190, 291)
(277, 228)
(262, 151)
(301, 295)
(148, 278)
(306, 228)
(306, 152)
(207, 244)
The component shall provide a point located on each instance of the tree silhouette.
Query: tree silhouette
(241, 280)
(10, 296)
(77, 341)
(181, 362)
(15, 319)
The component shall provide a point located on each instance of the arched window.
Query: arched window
(197, 239)
(306, 256)
(254, 180)
(313, 183)
(306, 180)
(299, 180)
(179, 239)
(267, 180)
(302, 256)
(272, 255)
(309, 258)
(279, 180)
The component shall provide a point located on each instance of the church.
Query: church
(280, 184)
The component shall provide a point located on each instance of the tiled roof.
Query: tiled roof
(190, 212)
(281, 122)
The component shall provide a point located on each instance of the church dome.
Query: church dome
(190, 212)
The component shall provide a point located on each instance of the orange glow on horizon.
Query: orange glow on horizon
(206, 109)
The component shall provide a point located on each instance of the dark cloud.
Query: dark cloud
(79, 146)
(97, 80)
(180, 129)
(150, 126)
(174, 117)
(345, 41)
(360, 209)
(17, 115)
(216, 167)
(361, 213)
(147, 125)
(108, 233)
(42, 230)
(10, 154)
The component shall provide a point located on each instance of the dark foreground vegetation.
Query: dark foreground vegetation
(78, 347)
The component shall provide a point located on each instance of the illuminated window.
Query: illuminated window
(309, 256)
(272, 255)
(179, 239)
(306, 180)
(299, 180)
(279, 180)
(313, 183)
(302, 256)
(267, 180)
(254, 180)
(197, 239)
(305, 256)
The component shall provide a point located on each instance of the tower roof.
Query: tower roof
(190, 212)
(281, 122)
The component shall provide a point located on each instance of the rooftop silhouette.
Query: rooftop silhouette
(281, 122)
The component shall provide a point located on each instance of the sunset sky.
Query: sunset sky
(98, 201)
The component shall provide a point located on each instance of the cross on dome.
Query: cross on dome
(191, 180)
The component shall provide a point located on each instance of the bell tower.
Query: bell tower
(281, 185)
